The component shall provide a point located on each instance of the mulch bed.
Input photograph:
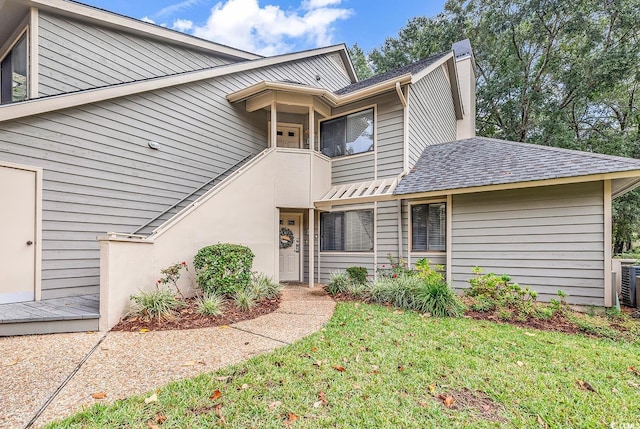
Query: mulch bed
(189, 318)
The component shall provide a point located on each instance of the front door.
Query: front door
(288, 136)
(290, 229)
(17, 232)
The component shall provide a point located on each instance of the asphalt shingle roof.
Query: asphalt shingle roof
(481, 161)
(411, 68)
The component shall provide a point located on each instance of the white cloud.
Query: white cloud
(175, 8)
(147, 19)
(270, 30)
(183, 25)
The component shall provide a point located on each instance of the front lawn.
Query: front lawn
(375, 366)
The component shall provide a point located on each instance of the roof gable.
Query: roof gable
(480, 161)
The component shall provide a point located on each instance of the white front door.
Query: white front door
(288, 136)
(17, 235)
(290, 229)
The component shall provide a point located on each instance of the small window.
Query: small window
(429, 227)
(13, 73)
(347, 135)
(350, 231)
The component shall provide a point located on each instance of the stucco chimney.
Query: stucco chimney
(467, 81)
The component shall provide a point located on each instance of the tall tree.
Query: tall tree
(553, 72)
(360, 62)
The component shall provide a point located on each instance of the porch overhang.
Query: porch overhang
(361, 192)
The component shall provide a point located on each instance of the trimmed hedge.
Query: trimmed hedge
(223, 268)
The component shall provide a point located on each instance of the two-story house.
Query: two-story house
(125, 147)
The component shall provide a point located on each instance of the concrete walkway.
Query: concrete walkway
(48, 377)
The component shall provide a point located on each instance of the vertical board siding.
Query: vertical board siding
(548, 238)
(99, 175)
(432, 118)
(74, 55)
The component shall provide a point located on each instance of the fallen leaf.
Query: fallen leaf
(225, 378)
(291, 418)
(531, 334)
(317, 404)
(244, 386)
(160, 418)
(633, 370)
(542, 423)
(215, 395)
(632, 384)
(143, 330)
(586, 386)
(318, 363)
(339, 368)
(432, 388)
(401, 368)
(447, 400)
(357, 304)
(322, 398)
(274, 404)
(12, 363)
(152, 426)
(375, 369)
(99, 395)
(150, 399)
(357, 386)
(520, 363)
(398, 312)
(314, 349)
(189, 363)
(223, 326)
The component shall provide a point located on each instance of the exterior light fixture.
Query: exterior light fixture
(154, 145)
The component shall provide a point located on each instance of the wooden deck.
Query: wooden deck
(72, 314)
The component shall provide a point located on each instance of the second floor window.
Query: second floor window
(347, 135)
(13, 73)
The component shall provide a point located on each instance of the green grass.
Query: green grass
(390, 359)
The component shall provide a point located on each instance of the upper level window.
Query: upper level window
(429, 227)
(13, 73)
(347, 135)
(350, 231)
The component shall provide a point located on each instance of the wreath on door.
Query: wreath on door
(286, 238)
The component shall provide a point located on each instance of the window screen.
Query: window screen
(347, 135)
(428, 227)
(350, 231)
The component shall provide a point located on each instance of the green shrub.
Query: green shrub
(399, 291)
(211, 305)
(358, 290)
(544, 312)
(438, 299)
(158, 304)
(244, 299)
(338, 283)
(223, 268)
(263, 287)
(357, 274)
(397, 267)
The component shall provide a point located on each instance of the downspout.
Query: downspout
(403, 100)
(405, 158)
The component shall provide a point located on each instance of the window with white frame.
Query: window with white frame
(429, 227)
(13, 73)
(347, 135)
(348, 231)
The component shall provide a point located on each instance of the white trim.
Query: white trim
(355, 155)
(424, 72)
(608, 297)
(37, 278)
(132, 25)
(311, 232)
(375, 240)
(34, 54)
(406, 132)
(64, 101)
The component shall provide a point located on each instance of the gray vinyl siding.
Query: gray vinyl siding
(339, 262)
(389, 123)
(99, 175)
(74, 55)
(351, 169)
(387, 230)
(548, 238)
(432, 118)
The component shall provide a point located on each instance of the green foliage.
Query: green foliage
(211, 305)
(396, 267)
(357, 274)
(338, 283)
(171, 275)
(223, 268)
(360, 62)
(263, 287)
(399, 291)
(244, 299)
(438, 299)
(358, 290)
(157, 304)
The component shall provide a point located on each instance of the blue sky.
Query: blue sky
(270, 27)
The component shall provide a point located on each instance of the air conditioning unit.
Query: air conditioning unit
(630, 289)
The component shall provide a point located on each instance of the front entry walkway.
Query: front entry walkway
(48, 377)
